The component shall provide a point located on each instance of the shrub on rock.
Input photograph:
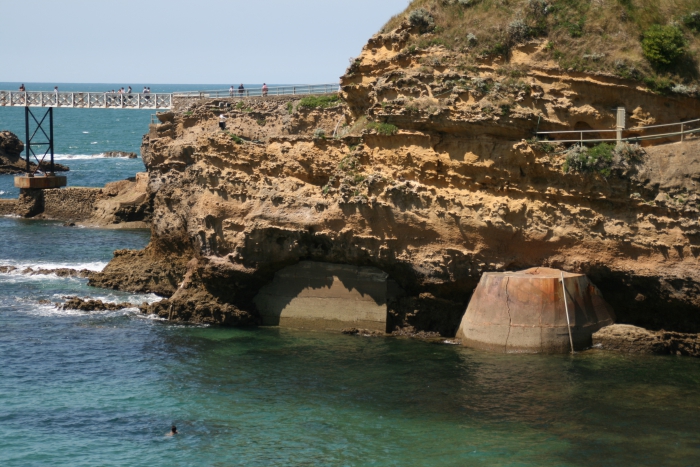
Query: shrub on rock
(663, 46)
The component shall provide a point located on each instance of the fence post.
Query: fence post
(682, 132)
(581, 138)
(621, 123)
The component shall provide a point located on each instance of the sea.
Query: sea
(103, 388)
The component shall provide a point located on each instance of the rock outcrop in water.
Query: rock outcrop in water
(426, 171)
(77, 303)
(60, 272)
(632, 339)
(123, 154)
(122, 204)
(11, 161)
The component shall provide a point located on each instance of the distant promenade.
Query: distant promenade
(156, 101)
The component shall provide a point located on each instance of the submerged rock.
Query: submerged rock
(633, 339)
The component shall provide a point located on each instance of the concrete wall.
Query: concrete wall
(75, 204)
(325, 296)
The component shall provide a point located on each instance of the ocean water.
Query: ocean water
(86, 389)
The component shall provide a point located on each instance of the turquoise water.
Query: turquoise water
(85, 389)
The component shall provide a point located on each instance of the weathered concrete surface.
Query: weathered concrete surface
(325, 295)
(524, 312)
(41, 182)
(632, 339)
(73, 204)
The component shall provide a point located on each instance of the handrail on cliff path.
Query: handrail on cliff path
(686, 127)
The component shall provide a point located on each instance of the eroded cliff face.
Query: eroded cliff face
(455, 192)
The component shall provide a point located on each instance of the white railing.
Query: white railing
(85, 100)
(629, 135)
(111, 100)
(258, 91)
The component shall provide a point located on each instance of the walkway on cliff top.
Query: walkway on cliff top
(158, 101)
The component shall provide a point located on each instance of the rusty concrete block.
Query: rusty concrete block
(524, 312)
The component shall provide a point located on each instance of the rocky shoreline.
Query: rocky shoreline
(428, 176)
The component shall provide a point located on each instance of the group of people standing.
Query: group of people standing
(146, 90)
(241, 90)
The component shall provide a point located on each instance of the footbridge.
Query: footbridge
(155, 101)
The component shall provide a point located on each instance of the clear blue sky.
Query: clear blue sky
(176, 41)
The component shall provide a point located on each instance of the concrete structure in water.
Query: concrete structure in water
(525, 312)
(40, 182)
(325, 296)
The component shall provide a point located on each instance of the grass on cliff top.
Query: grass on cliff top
(654, 41)
(319, 102)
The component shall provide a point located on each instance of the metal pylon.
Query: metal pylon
(31, 143)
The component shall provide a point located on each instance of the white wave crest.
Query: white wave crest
(68, 157)
(22, 265)
(50, 309)
(2, 192)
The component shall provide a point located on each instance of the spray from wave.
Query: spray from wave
(21, 265)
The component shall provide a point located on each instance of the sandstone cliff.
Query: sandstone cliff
(428, 172)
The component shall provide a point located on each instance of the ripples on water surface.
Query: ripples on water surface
(103, 388)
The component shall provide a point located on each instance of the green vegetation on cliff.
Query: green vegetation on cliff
(653, 41)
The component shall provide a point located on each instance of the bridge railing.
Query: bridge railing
(85, 100)
(628, 135)
(258, 91)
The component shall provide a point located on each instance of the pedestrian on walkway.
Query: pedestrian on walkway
(231, 91)
(240, 90)
(264, 90)
(22, 89)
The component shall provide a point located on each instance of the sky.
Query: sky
(186, 42)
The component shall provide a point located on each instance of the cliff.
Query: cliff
(428, 171)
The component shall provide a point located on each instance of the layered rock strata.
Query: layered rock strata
(430, 179)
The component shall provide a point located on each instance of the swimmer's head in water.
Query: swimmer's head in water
(173, 429)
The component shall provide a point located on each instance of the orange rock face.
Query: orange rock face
(525, 312)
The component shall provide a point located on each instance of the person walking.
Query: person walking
(240, 90)
(264, 90)
(231, 91)
(222, 121)
(21, 88)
